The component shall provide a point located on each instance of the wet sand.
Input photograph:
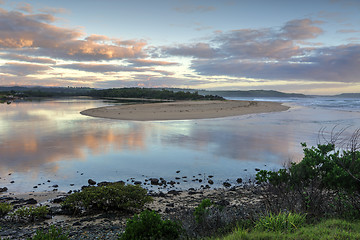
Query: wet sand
(183, 110)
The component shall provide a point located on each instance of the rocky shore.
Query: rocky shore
(237, 202)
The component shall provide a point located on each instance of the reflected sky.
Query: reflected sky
(50, 140)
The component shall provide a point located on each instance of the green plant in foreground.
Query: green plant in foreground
(116, 196)
(201, 210)
(5, 208)
(149, 226)
(281, 222)
(327, 229)
(52, 234)
(30, 213)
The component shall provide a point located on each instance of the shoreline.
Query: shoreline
(184, 110)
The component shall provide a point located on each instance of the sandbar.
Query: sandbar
(183, 110)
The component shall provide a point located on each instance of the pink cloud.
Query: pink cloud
(20, 30)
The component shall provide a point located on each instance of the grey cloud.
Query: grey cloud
(11, 56)
(149, 62)
(191, 8)
(339, 64)
(301, 29)
(23, 69)
(26, 7)
(199, 50)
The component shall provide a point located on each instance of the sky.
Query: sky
(310, 47)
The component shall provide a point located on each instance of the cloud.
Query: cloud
(347, 31)
(51, 10)
(11, 56)
(20, 30)
(192, 8)
(198, 50)
(109, 68)
(23, 69)
(25, 7)
(301, 29)
(339, 64)
(149, 62)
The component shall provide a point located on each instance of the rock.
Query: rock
(177, 178)
(211, 176)
(137, 182)
(223, 203)
(174, 192)
(91, 182)
(227, 184)
(177, 171)
(34, 186)
(170, 205)
(184, 177)
(48, 181)
(12, 181)
(172, 182)
(211, 181)
(71, 184)
(31, 201)
(4, 189)
(58, 200)
(257, 169)
(239, 180)
(55, 186)
(154, 181)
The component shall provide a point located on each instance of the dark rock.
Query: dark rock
(12, 181)
(154, 181)
(211, 176)
(211, 181)
(170, 205)
(223, 202)
(191, 189)
(71, 184)
(55, 186)
(177, 171)
(239, 180)
(257, 169)
(137, 182)
(77, 224)
(172, 182)
(31, 201)
(34, 186)
(91, 182)
(48, 180)
(59, 200)
(177, 178)
(232, 189)
(4, 189)
(200, 180)
(174, 192)
(193, 192)
(227, 184)
(245, 170)
(184, 177)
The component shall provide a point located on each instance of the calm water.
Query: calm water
(50, 140)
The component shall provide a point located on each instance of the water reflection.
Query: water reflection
(51, 140)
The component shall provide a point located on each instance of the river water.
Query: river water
(47, 143)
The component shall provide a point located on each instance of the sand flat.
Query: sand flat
(182, 110)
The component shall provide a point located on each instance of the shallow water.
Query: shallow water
(50, 140)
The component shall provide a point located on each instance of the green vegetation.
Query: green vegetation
(116, 196)
(327, 229)
(149, 226)
(284, 222)
(201, 210)
(149, 93)
(5, 208)
(30, 213)
(52, 234)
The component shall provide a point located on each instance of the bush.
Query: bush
(282, 222)
(53, 234)
(5, 208)
(30, 213)
(149, 226)
(325, 182)
(202, 210)
(116, 196)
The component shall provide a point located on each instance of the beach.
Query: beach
(183, 110)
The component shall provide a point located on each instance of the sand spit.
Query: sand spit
(183, 110)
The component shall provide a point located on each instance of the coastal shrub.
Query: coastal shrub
(325, 182)
(149, 226)
(201, 210)
(5, 208)
(326, 229)
(281, 222)
(52, 234)
(30, 213)
(116, 196)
